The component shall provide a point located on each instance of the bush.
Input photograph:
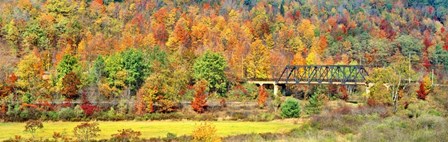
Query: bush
(170, 136)
(52, 115)
(290, 108)
(166, 106)
(67, 114)
(86, 131)
(88, 108)
(126, 135)
(111, 114)
(32, 126)
(13, 112)
(250, 90)
(205, 133)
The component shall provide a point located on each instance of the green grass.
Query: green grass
(148, 129)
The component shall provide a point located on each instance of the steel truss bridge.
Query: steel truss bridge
(323, 74)
(317, 74)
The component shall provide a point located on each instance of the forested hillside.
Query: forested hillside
(156, 50)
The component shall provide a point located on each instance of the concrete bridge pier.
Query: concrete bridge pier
(269, 83)
(368, 86)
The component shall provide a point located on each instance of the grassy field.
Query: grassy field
(149, 128)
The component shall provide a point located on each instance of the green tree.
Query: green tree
(12, 34)
(440, 56)
(98, 69)
(115, 75)
(35, 36)
(290, 108)
(211, 67)
(314, 105)
(409, 45)
(155, 55)
(69, 63)
(134, 65)
(61, 7)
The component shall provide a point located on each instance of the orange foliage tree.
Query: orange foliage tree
(70, 83)
(262, 96)
(199, 102)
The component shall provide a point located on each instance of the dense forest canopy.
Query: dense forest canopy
(159, 47)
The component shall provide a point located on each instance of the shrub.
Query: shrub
(52, 115)
(199, 102)
(344, 94)
(61, 137)
(290, 108)
(123, 108)
(250, 90)
(166, 106)
(111, 114)
(86, 131)
(32, 125)
(314, 105)
(171, 136)
(205, 133)
(126, 135)
(88, 108)
(69, 114)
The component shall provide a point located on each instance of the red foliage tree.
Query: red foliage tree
(428, 43)
(199, 102)
(9, 86)
(422, 92)
(386, 27)
(262, 96)
(86, 106)
(160, 33)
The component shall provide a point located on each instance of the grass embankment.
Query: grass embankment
(149, 129)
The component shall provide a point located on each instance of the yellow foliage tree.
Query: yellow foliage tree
(257, 62)
(312, 58)
(306, 32)
(29, 72)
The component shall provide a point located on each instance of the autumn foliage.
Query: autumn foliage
(262, 96)
(86, 106)
(199, 102)
(71, 84)
(424, 88)
(344, 94)
(205, 133)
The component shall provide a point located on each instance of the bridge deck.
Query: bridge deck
(303, 82)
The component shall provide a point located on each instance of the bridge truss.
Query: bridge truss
(323, 74)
